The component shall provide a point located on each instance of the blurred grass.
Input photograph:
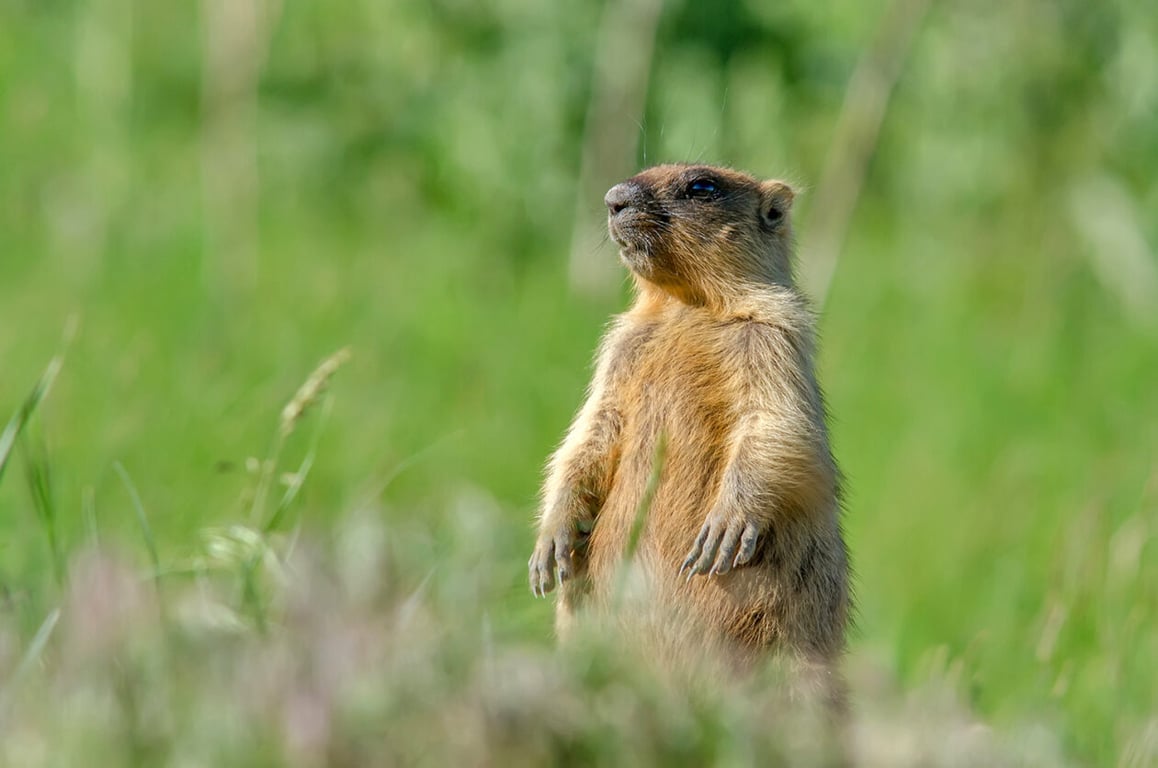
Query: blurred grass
(992, 388)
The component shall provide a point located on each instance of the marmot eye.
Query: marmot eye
(703, 188)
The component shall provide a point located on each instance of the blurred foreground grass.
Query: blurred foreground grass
(399, 180)
(365, 664)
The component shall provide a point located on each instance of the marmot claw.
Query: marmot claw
(723, 544)
(551, 560)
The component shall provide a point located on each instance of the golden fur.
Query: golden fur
(740, 548)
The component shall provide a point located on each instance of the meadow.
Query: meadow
(201, 202)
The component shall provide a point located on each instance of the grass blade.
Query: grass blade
(36, 647)
(298, 478)
(38, 473)
(20, 419)
(658, 457)
(88, 507)
(142, 521)
(308, 394)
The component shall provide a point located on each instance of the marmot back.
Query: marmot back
(741, 548)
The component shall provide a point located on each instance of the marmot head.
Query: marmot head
(702, 233)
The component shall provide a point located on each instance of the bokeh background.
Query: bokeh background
(215, 196)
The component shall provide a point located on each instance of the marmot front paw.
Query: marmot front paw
(724, 543)
(553, 557)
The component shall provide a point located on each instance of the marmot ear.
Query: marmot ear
(775, 202)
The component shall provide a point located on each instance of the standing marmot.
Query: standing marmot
(715, 361)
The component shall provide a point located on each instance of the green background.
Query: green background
(989, 343)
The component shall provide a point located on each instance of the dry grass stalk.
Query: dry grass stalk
(622, 68)
(866, 103)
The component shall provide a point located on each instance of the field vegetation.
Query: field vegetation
(202, 202)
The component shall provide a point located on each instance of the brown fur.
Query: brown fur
(715, 358)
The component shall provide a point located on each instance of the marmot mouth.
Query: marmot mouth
(634, 250)
(629, 235)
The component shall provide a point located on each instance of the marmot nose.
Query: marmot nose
(622, 196)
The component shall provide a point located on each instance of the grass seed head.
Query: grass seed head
(309, 392)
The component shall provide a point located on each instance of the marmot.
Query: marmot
(740, 541)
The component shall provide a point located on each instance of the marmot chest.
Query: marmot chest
(680, 390)
(675, 390)
(681, 382)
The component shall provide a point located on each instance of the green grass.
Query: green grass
(991, 385)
